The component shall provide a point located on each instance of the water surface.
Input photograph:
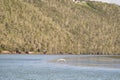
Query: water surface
(46, 67)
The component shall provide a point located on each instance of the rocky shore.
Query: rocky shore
(60, 53)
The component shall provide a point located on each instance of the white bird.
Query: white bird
(61, 60)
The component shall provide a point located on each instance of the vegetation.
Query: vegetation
(59, 26)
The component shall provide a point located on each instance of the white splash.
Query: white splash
(61, 60)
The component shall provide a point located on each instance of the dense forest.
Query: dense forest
(59, 27)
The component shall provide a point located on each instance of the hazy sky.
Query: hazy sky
(111, 1)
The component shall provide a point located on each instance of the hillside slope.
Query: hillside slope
(59, 26)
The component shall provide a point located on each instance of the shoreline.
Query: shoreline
(38, 53)
(58, 53)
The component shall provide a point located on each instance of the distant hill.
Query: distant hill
(59, 26)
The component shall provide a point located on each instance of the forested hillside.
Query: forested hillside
(59, 26)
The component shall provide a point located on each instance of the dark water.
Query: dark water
(46, 67)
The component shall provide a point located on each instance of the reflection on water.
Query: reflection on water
(94, 61)
(40, 67)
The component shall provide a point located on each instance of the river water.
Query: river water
(46, 67)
